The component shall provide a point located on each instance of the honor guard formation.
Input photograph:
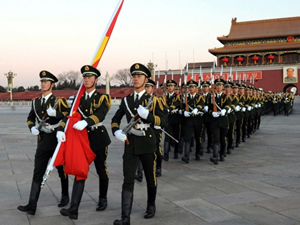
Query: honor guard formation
(222, 114)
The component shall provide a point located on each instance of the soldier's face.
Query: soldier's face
(46, 85)
(88, 82)
(139, 80)
(219, 87)
(171, 88)
(228, 89)
(205, 89)
(241, 91)
(193, 89)
(149, 89)
(235, 90)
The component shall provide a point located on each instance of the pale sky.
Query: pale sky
(62, 35)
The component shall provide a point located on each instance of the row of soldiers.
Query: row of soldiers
(192, 117)
(277, 102)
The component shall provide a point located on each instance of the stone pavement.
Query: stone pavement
(259, 183)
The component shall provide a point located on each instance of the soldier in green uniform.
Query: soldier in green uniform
(206, 117)
(219, 121)
(140, 141)
(54, 109)
(93, 108)
(158, 134)
(193, 120)
(231, 115)
(172, 102)
(238, 92)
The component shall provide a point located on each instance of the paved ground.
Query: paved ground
(258, 184)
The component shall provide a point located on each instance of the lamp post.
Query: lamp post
(10, 80)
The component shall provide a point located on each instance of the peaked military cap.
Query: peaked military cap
(162, 85)
(139, 68)
(150, 83)
(242, 86)
(228, 84)
(45, 75)
(171, 82)
(235, 85)
(192, 83)
(88, 71)
(219, 81)
(205, 83)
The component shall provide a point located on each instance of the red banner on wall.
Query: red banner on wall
(225, 76)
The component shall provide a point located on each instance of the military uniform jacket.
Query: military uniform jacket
(207, 99)
(140, 144)
(224, 102)
(241, 103)
(246, 104)
(172, 103)
(37, 112)
(234, 100)
(93, 111)
(197, 102)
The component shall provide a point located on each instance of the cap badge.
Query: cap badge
(44, 73)
(136, 66)
(87, 68)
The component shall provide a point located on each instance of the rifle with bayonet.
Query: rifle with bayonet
(135, 120)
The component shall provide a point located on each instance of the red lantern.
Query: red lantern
(240, 60)
(225, 60)
(255, 58)
(271, 57)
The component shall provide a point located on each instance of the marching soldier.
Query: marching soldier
(219, 121)
(239, 111)
(93, 108)
(158, 134)
(193, 121)
(172, 102)
(206, 117)
(51, 109)
(231, 115)
(141, 140)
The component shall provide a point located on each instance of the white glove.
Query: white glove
(229, 110)
(259, 105)
(223, 112)
(215, 114)
(174, 111)
(180, 111)
(205, 109)
(80, 125)
(168, 110)
(256, 106)
(34, 131)
(244, 109)
(51, 111)
(237, 108)
(143, 112)
(195, 111)
(120, 135)
(249, 108)
(157, 127)
(61, 137)
(187, 114)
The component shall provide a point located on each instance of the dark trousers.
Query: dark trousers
(173, 130)
(207, 126)
(238, 126)
(244, 127)
(193, 128)
(219, 136)
(230, 134)
(130, 162)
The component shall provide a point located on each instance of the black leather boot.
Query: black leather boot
(151, 208)
(139, 172)
(215, 158)
(103, 187)
(77, 192)
(186, 157)
(166, 150)
(30, 208)
(127, 199)
(64, 191)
